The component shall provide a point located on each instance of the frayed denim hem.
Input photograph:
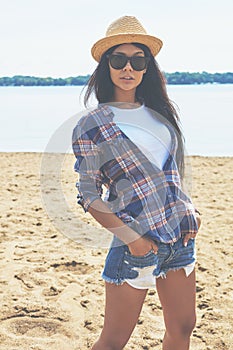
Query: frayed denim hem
(116, 281)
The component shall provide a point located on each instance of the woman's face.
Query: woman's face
(127, 79)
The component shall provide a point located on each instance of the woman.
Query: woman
(132, 145)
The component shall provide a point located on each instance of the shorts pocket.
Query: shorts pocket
(185, 255)
(149, 259)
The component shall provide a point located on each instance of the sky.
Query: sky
(54, 37)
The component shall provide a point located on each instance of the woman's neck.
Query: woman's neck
(125, 96)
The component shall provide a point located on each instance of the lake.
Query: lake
(32, 118)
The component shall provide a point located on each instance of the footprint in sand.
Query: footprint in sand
(34, 322)
(34, 328)
(78, 267)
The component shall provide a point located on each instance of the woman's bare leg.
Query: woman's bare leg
(123, 307)
(177, 297)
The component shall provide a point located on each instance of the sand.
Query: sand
(51, 291)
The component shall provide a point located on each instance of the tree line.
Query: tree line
(176, 78)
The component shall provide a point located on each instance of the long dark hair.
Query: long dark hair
(151, 91)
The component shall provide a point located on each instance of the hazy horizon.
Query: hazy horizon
(54, 38)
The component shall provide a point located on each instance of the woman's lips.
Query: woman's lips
(127, 78)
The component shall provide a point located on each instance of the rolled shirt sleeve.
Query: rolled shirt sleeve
(87, 164)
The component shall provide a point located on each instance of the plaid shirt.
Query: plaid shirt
(146, 198)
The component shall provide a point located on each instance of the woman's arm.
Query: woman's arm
(137, 244)
(198, 217)
(188, 236)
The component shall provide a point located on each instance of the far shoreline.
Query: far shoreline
(174, 78)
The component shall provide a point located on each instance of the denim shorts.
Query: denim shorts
(141, 271)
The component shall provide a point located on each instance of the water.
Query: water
(30, 116)
(207, 117)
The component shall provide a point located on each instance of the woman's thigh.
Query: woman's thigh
(122, 308)
(177, 294)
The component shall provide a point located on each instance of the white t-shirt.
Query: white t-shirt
(148, 133)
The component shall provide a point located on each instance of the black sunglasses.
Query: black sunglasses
(138, 63)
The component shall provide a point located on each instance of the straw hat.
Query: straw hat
(126, 29)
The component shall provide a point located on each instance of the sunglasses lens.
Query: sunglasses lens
(138, 63)
(118, 61)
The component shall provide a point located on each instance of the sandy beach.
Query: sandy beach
(52, 254)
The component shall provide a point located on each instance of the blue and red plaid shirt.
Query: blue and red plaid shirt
(148, 199)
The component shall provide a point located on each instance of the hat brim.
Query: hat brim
(102, 45)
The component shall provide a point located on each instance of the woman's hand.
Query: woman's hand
(142, 246)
